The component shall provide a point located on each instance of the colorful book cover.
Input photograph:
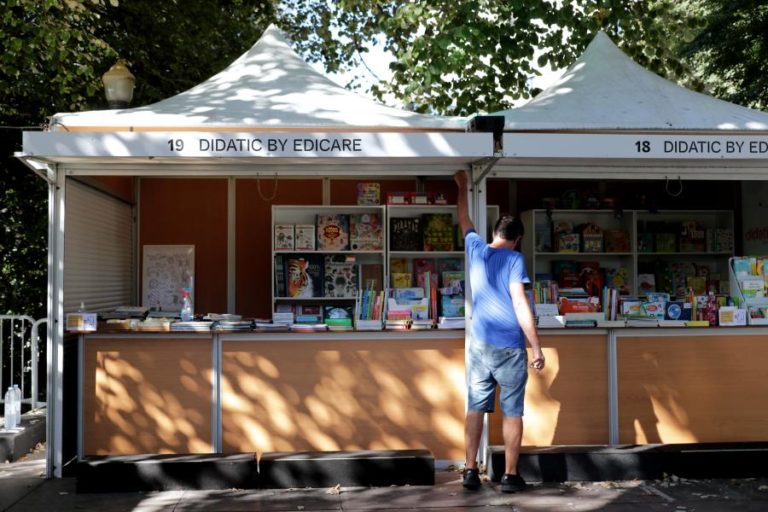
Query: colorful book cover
(437, 231)
(340, 277)
(304, 276)
(402, 280)
(453, 280)
(304, 237)
(444, 264)
(333, 232)
(399, 265)
(284, 237)
(423, 267)
(405, 234)
(365, 232)
(451, 306)
(337, 312)
(618, 278)
(368, 194)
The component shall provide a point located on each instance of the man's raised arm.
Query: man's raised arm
(461, 202)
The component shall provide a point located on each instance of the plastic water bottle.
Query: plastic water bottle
(9, 409)
(17, 404)
(186, 307)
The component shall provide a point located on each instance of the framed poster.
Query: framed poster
(166, 269)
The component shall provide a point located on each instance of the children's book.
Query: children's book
(336, 312)
(437, 231)
(453, 280)
(341, 276)
(402, 280)
(405, 234)
(304, 237)
(284, 237)
(365, 232)
(368, 194)
(425, 267)
(399, 265)
(304, 276)
(444, 264)
(333, 232)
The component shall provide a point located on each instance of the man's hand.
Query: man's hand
(538, 360)
(461, 178)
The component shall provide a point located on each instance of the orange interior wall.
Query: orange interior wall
(190, 212)
(253, 295)
(345, 191)
(121, 186)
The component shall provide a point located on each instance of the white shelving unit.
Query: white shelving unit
(308, 215)
(540, 251)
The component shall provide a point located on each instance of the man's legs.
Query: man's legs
(513, 436)
(473, 431)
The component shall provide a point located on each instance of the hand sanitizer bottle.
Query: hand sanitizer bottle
(186, 306)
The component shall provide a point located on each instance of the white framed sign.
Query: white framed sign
(166, 269)
(258, 144)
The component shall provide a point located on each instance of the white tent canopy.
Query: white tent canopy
(609, 118)
(268, 88)
(606, 90)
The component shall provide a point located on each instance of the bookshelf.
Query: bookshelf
(413, 249)
(314, 277)
(665, 243)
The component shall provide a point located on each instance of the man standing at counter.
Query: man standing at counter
(501, 322)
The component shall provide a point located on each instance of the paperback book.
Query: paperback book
(437, 231)
(340, 277)
(304, 276)
(405, 234)
(333, 232)
(365, 232)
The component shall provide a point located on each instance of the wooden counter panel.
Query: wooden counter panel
(344, 395)
(147, 396)
(687, 389)
(566, 403)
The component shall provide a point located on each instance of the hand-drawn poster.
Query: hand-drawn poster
(166, 269)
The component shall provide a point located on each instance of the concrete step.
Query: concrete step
(628, 462)
(18, 442)
(167, 472)
(282, 470)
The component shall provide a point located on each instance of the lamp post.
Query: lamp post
(118, 85)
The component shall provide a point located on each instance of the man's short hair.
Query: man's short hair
(508, 227)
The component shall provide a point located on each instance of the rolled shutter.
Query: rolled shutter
(98, 250)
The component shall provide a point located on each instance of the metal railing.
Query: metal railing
(20, 356)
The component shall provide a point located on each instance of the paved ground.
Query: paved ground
(22, 489)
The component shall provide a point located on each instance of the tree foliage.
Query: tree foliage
(54, 53)
(467, 56)
(731, 53)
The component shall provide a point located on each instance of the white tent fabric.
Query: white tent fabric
(606, 90)
(269, 87)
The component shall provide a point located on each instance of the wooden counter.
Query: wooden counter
(365, 391)
(708, 385)
(567, 402)
(147, 393)
(239, 392)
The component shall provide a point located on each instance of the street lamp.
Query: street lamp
(118, 85)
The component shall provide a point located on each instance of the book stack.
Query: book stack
(308, 327)
(451, 322)
(192, 326)
(232, 325)
(399, 317)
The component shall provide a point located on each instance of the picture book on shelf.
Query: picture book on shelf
(333, 232)
(402, 280)
(338, 312)
(399, 265)
(365, 232)
(437, 231)
(304, 276)
(340, 277)
(453, 280)
(448, 264)
(304, 237)
(284, 236)
(368, 194)
(404, 234)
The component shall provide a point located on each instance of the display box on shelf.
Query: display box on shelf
(568, 242)
(731, 315)
(304, 237)
(81, 322)
(368, 194)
